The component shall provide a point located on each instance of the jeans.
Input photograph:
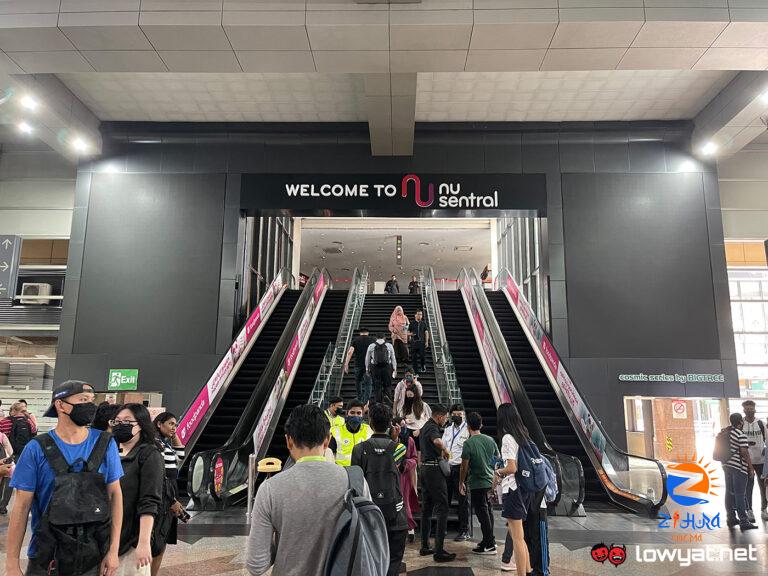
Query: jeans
(362, 384)
(482, 509)
(382, 382)
(435, 493)
(5, 492)
(735, 494)
(418, 355)
(453, 490)
(760, 484)
(396, 550)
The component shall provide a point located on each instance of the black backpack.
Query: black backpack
(74, 532)
(378, 462)
(21, 434)
(380, 355)
(723, 452)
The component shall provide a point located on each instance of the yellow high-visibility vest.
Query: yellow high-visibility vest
(334, 420)
(346, 440)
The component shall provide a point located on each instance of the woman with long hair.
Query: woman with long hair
(398, 326)
(173, 455)
(142, 485)
(515, 502)
(415, 413)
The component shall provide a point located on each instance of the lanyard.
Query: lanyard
(456, 433)
(311, 459)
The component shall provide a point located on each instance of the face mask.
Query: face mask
(353, 423)
(122, 433)
(82, 414)
(409, 378)
(457, 420)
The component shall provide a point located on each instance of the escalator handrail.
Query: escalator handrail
(199, 411)
(240, 444)
(614, 490)
(445, 372)
(511, 379)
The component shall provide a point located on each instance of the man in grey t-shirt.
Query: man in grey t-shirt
(300, 505)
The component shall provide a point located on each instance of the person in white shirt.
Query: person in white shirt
(416, 413)
(454, 437)
(754, 430)
(515, 502)
(410, 380)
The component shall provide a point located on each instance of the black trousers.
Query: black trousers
(435, 493)
(396, 540)
(382, 382)
(760, 484)
(482, 507)
(453, 490)
(418, 354)
(537, 536)
(5, 492)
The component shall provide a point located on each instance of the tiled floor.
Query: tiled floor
(213, 544)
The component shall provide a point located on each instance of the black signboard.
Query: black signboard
(394, 194)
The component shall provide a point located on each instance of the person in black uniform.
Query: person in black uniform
(392, 287)
(434, 484)
(413, 286)
(419, 341)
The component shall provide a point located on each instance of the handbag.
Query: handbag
(445, 468)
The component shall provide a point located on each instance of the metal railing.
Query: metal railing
(445, 373)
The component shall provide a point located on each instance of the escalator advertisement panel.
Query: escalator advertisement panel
(556, 368)
(290, 365)
(213, 387)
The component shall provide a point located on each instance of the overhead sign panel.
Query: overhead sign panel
(10, 251)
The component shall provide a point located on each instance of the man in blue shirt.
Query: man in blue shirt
(33, 478)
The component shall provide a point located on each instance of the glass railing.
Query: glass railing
(445, 373)
(197, 414)
(506, 386)
(220, 476)
(634, 482)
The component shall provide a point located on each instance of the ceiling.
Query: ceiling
(369, 244)
(440, 96)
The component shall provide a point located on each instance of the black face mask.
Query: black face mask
(457, 420)
(122, 433)
(82, 414)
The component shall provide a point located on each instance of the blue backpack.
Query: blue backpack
(531, 469)
(551, 491)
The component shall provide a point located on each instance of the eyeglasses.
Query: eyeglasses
(118, 422)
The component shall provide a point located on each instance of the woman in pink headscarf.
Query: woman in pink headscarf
(398, 326)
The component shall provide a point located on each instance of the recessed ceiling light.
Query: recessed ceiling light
(79, 144)
(709, 149)
(423, 243)
(29, 103)
(25, 128)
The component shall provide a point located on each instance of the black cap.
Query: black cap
(65, 390)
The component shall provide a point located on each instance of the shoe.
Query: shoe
(482, 549)
(461, 537)
(444, 556)
(731, 522)
(3, 511)
(745, 527)
(764, 514)
(509, 566)
(411, 536)
(751, 516)
(426, 552)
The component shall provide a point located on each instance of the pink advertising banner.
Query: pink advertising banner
(195, 414)
(290, 365)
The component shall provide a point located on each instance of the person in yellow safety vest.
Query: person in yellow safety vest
(350, 434)
(335, 411)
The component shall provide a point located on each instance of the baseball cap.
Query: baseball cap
(65, 390)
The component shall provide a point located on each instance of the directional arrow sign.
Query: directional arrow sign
(10, 250)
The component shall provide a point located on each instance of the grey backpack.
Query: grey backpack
(359, 544)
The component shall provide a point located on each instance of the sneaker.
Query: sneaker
(509, 566)
(483, 549)
(426, 552)
(461, 537)
(764, 514)
(745, 527)
(411, 536)
(751, 516)
(444, 556)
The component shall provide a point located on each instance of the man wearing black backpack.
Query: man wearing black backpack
(381, 363)
(70, 480)
(19, 427)
(379, 458)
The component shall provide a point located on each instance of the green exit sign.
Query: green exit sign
(121, 379)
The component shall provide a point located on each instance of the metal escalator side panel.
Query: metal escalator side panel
(194, 419)
(602, 452)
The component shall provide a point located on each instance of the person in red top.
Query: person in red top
(27, 430)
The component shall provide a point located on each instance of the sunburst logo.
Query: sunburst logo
(692, 481)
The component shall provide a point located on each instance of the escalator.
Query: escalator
(470, 373)
(549, 412)
(375, 317)
(325, 331)
(230, 409)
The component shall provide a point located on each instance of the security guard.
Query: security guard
(335, 411)
(349, 434)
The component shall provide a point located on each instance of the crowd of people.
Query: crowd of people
(101, 486)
